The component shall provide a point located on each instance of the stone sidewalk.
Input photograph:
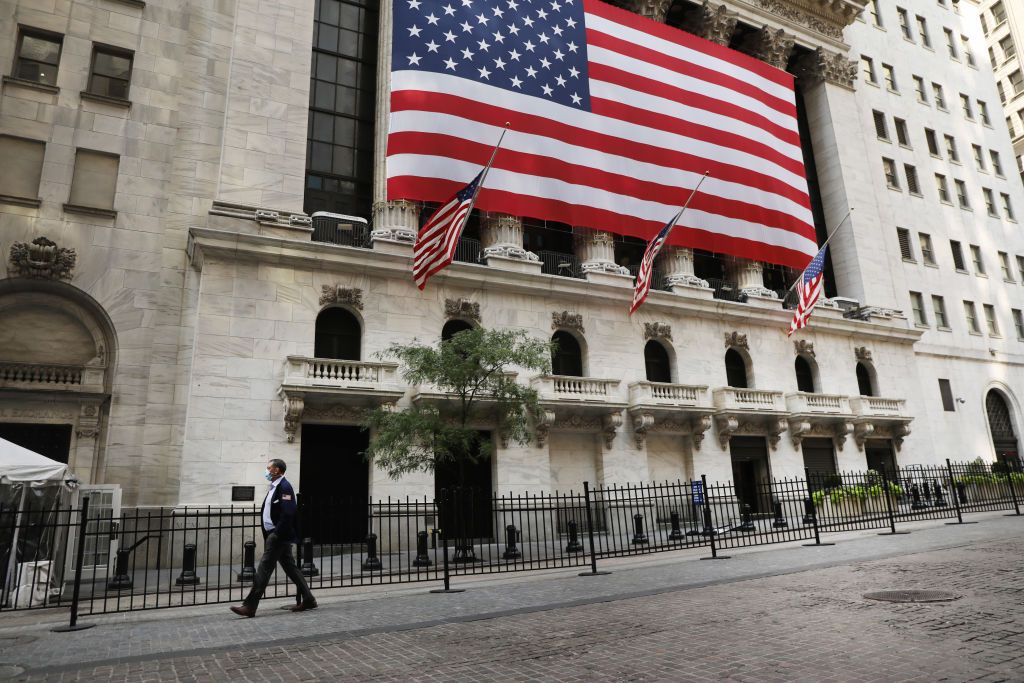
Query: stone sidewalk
(670, 602)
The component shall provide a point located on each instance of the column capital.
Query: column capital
(827, 66)
(596, 249)
(712, 22)
(652, 9)
(502, 235)
(772, 46)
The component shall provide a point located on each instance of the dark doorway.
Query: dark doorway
(804, 375)
(465, 488)
(820, 462)
(864, 384)
(453, 327)
(53, 441)
(751, 474)
(657, 363)
(1004, 439)
(735, 369)
(338, 335)
(335, 484)
(881, 458)
(567, 358)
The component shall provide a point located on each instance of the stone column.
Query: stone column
(596, 250)
(502, 237)
(680, 276)
(749, 277)
(711, 22)
(395, 223)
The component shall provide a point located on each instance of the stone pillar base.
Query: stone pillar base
(602, 277)
(516, 265)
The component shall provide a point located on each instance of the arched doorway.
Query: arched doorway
(735, 369)
(657, 363)
(865, 382)
(804, 375)
(1000, 424)
(567, 358)
(453, 327)
(338, 335)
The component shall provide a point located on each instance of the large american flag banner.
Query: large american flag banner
(642, 287)
(809, 290)
(613, 118)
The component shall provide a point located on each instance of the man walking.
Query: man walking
(278, 535)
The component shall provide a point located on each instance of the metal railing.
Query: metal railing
(558, 263)
(468, 250)
(726, 290)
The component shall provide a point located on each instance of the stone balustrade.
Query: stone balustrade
(732, 398)
(873, 406)
(51, 377)
(560, 387)
(664, 393)
(824, 404)
(328, 372)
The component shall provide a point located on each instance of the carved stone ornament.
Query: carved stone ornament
(567, 320)
(395, 221)
(542, 426)
(736, 340)
(700, 426)
(610, 424)
(825, 65)
(730, 424)
(641, 423)
(462, 308)
(712, 22)
(652, 9)
(786, 10)
(336, 294)
(804, 347)
(42, 259)
(862, 353)
(772, 46)
(293, 407)
(658, 331)
(802, 428)
(88, 421)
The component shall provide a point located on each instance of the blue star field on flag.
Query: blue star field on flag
(535, 47)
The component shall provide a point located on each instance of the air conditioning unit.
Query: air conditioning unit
(845, 303)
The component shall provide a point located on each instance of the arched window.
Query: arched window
(735, 369)
(804, 375)
(999, 422)
(657, 363)
(865, 385)
(567, 358)
(453, 327)
(338, 335)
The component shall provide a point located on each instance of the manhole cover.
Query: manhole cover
(10, 670)
(912, 596)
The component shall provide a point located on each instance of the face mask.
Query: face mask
(268, 476)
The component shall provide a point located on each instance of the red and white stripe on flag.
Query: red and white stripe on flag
(657, 108)
(645, 275)
(810, 291)
(439, 236)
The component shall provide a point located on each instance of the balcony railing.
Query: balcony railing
(336, 228)
(468, 250)
(557, 263)
(328, 372)
(732, 398)
(663, 393)
(872, 406)
(726, 290)
(560, 387)
(49, 377)
(825, 404)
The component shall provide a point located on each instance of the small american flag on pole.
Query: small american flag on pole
(810, 286)
(437, 239)
(644, 276)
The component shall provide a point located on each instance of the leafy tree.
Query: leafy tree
(472, 371)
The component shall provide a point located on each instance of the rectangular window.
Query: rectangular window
(1017, 82)
(927, 252)
(1020, 268)
(1004, 264)
(951, 150)
(906, 249)
(979, 263)
(881, 129)
(891, 178)
(990, 202)
(983, 112)
(947, 396)
(933, 143)
(1002, 91)
(904, 19)
(965, 104)
(990, 320)
(940, 96)
(979, 156)
(867, 67)
(950, 43)
(1018, 323)
(984, 24)
(961, 194)
(23, 166)
(971, 314)
(943, 188)
(890, 77)
(38, 56)
(998, 13)
(876, 16)
(1007, 46)
(913, 187)
(902, 134)
(965, 46)
(958, 255)
(94, 182)
(922, 93)
(922, 30)
(997, 163)
(1010, 127)
(111, 72)
(992, 57)
(1007, 206)
(917, 304)
(939, 309)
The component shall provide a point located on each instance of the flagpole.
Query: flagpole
(693, 193)
(823, 245)
(487, 168)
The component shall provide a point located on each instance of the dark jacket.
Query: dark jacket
(283, 511)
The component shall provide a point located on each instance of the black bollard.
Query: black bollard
(248, 572)
(422, 558)
(694, 531)
(308, 568)
(188, 567)
(708, 529)
(940, 497)
(639, 537)
(574, 545)
(372, 562)
(809, 513)
(927, 493)
(121, 580)
(511, 550)
(780, 521)
(677, 531)
(746, 520)
(961, 492)
(915, 494)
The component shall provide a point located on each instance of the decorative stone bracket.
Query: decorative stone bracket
(736, 340)
(336, 294)
(294, 404)
(801, 428)
(731, 424)
(607, 424)
(645, 423)
(42, 259)
(864, 430)
(803, 347)
(462, 308)
(658, 331)
(567, 320)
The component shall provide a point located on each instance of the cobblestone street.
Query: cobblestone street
(809, 623)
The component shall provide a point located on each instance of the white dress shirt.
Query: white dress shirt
(268, 524)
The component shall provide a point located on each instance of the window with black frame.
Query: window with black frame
(111, 72)
(38, 56)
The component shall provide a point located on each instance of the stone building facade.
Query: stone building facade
(1002, 25)
(173, 314)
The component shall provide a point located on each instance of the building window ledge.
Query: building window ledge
(116, 101)
(21, 201)
(131, 3)
(90, 210)
(41, 87)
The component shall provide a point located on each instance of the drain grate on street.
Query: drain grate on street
(912, 596)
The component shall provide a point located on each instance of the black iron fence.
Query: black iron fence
(145, 558)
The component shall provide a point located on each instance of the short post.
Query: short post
(511, 550)
(696, 513)
(811, 514)
(746, 520)
(372, 562)
(961, 492)
(248, 573)
(188, 576)
(308, 567)
(574, 545)
(810, 517)
(121, 580)
(1013, 490)
(940, 495)
(422, 556)
(958, 495)
(709, 529)
(639, 537)
(887, 488)
(927, 494)
(79, 558)
(915, 494)
(780, 521)
(447, 576)
(590, 534)
(677, 531)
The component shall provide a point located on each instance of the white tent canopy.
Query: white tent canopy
(19, 464)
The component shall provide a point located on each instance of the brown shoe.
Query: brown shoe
(244, 611)
(303, 606)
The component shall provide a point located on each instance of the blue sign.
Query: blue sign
(697, 492)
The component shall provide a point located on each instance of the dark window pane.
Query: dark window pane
(320, 157)
(348, 43)
(342, 161)
(117, 66)
(349, 16)
(323, 95)
(321, 126)
(34, 71)
(326, 67)
(344, 130)
(345, 101)
(314, 182)
(347, 72)
(329, 11)
(37, 49)
(327, 39)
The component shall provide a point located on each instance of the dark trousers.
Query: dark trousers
(276, 551)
